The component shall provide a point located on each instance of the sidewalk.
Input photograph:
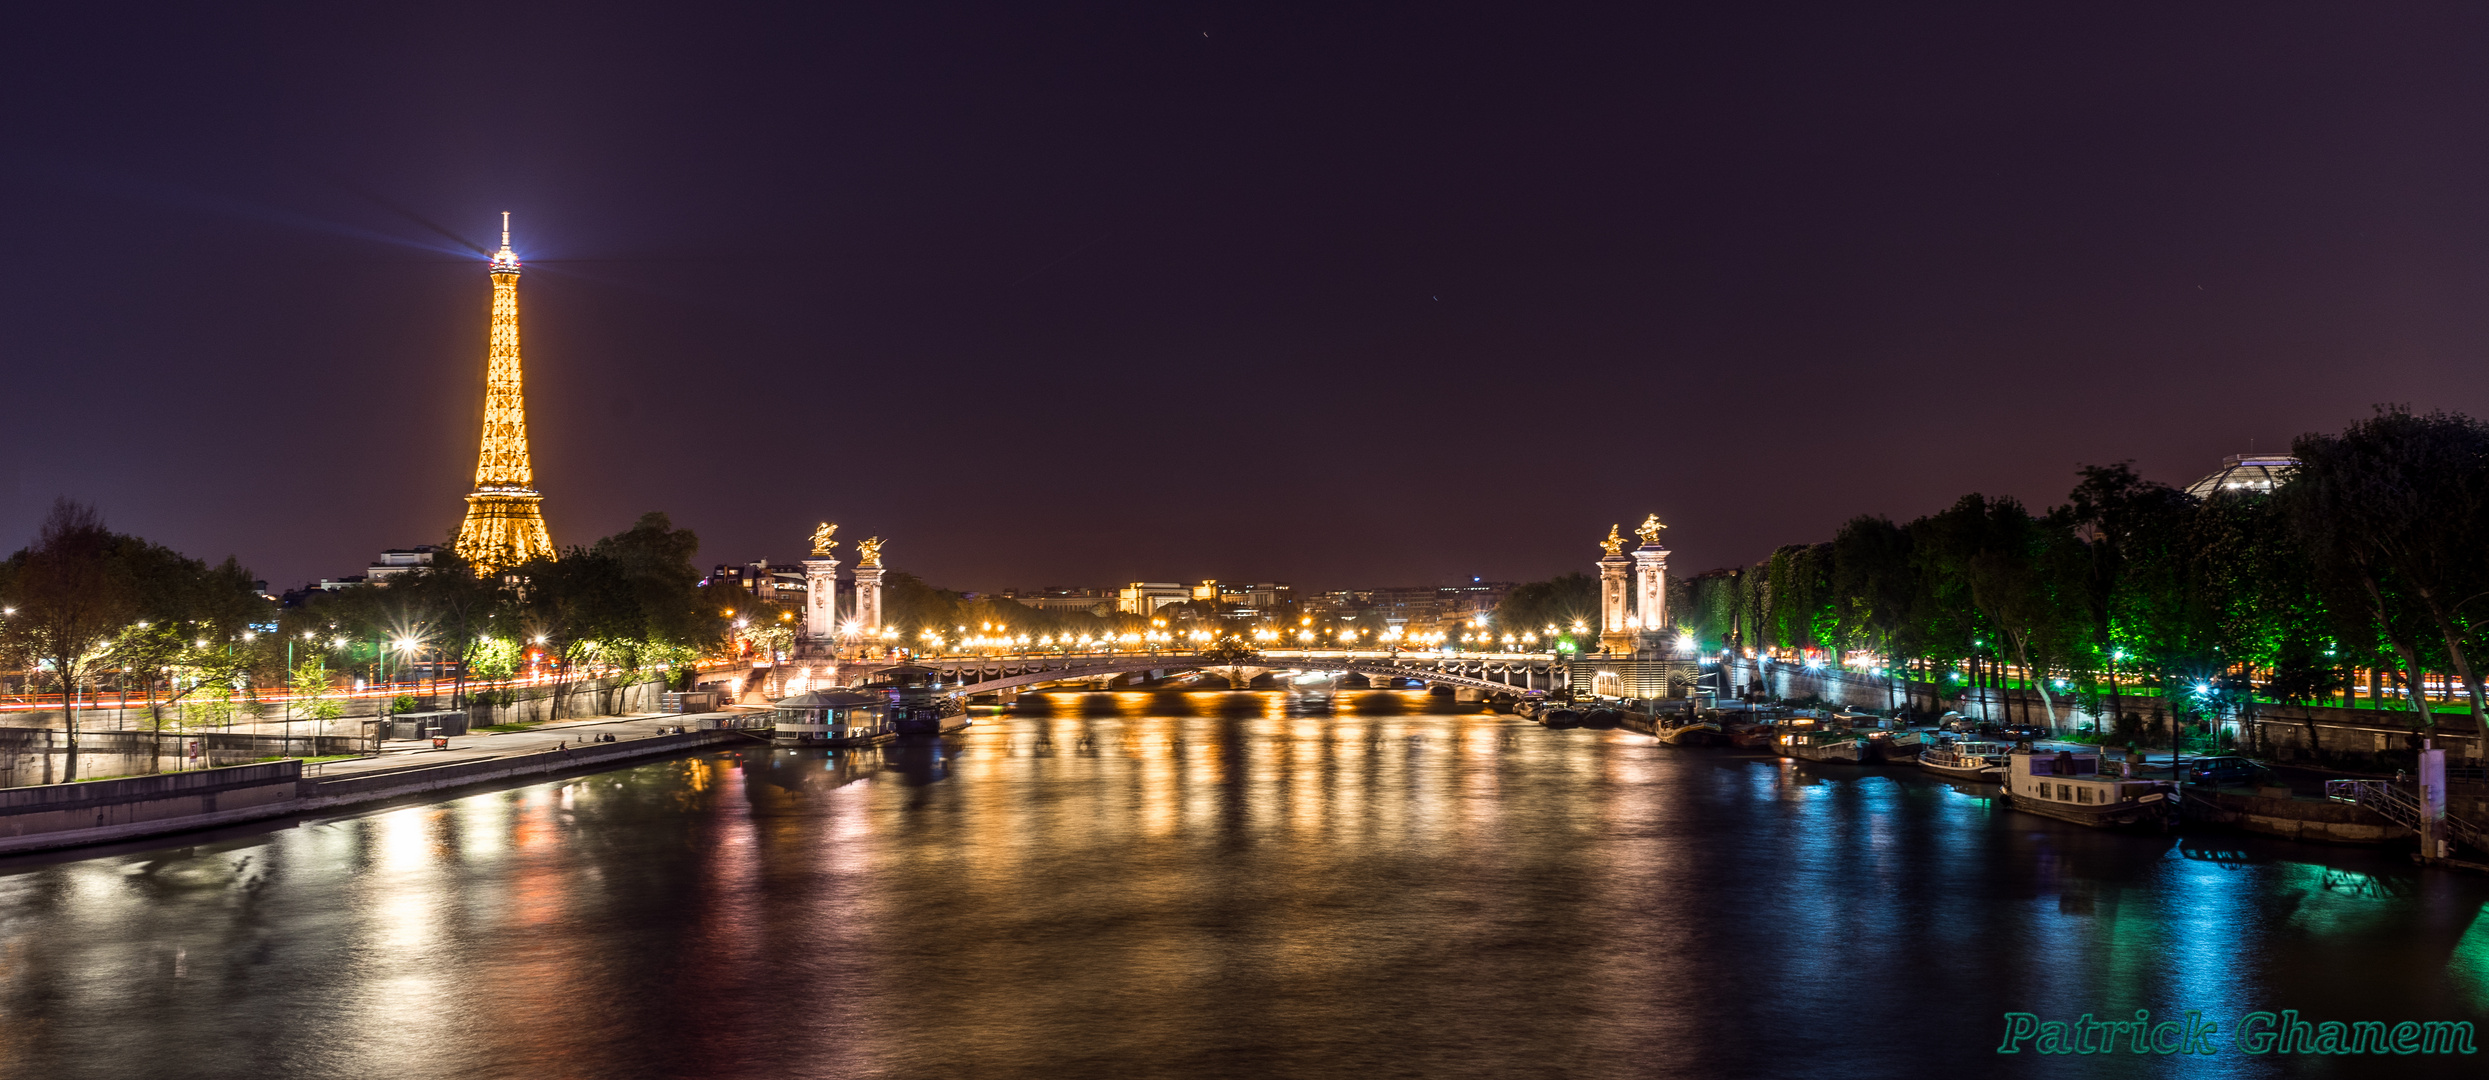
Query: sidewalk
(399, 755)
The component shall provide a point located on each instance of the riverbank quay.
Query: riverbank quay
(2313, 736)
(137, 740)
(55, 816)
(2293, 807)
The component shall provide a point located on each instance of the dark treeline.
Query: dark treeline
(2373, 555)
(92, 614)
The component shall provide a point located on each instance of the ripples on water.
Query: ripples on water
(1198, 886)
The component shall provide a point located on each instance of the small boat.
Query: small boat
(2069, 786)
(1821, 744)
(1690, 732)
(1895, 747)
(1748, 735)
(1561, 718)
(1967, 759)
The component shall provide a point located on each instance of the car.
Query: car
(2026, 731)
(2220, 771)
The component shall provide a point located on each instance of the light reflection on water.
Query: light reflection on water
(1204, 885)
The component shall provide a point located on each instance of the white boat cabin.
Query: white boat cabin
(2074, 778)
(822, 716)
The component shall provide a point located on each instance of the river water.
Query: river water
(1237, 885)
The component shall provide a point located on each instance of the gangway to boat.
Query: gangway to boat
(2402, 807)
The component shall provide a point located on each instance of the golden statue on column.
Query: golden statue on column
(821, 542)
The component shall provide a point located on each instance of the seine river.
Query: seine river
(1209, 886)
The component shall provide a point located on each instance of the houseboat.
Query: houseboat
(1823, 744)
(912, 702)
(1966, 759)
(2068, 785)
(829, 718)
(902, 700)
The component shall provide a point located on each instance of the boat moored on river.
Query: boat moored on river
(904, 700)
(1898, 746)
(1966, 759)
(2069, 786)
(829, 718)
(1820, 744)
(1687, 731)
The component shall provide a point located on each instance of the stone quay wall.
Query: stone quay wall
(585, 698)
(34, 747)
(104, 811)
(65, 815)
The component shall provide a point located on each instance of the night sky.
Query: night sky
(1060, 294)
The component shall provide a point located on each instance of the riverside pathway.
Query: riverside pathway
(404, 754)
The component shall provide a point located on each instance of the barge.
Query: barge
(2069, 786)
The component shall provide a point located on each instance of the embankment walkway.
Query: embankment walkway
(55, 816)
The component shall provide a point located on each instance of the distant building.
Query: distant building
(1144, 597)
(1472, 601)
(1240, 601)
(397, 561)
(777, 583)
(1058, 598)
(1418, 609)
(2259, 473)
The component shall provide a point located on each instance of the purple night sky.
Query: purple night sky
(1083, 294)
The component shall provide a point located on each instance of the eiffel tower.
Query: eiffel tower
(505, 515)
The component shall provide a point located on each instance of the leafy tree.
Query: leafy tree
(312, 686)
(72, 598)
(1559, 602)
(630, 601)
(1876, 588)
(2394, 515)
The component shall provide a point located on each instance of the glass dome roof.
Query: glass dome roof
(2245, 472)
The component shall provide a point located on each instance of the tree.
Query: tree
(2013, 566)
(72, 597)
(2394, 515)
(458, 612)
(2131, 530)
(1875, 588)
(629, 601)
(1559, 602)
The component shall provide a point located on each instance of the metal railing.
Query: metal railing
(2402, 807)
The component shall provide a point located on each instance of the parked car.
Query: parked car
(2220, 771)
(2027, 731)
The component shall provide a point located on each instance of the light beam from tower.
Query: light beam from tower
(505, 515)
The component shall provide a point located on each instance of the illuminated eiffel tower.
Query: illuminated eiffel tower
(505, 515)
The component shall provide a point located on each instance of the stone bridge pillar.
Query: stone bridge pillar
(1615, 603)
(1650, 596)
(869, 598)
(821, 599)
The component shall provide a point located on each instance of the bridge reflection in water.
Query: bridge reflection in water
(1203, 885)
